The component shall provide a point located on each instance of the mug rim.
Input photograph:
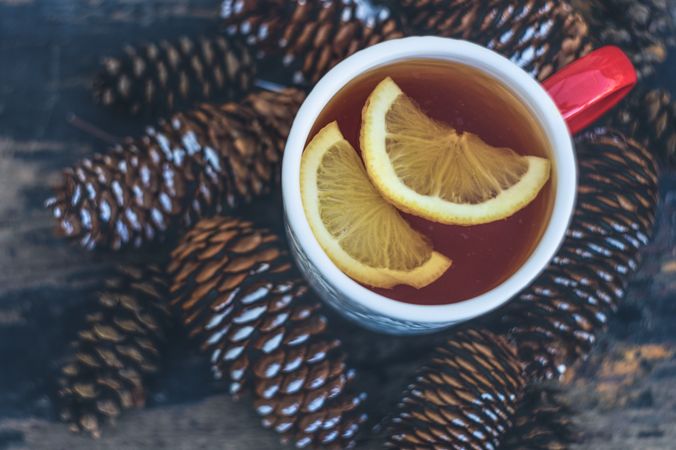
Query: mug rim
(529, 92)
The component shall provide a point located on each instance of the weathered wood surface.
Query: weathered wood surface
(48, 51)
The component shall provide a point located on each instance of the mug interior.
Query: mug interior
(527, 90)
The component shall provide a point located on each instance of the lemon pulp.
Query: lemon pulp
(429, 169)
(359, 230)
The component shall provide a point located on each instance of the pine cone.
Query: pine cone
(650, 118)
(542, 422)
(554, 321)
(309, 36)
(117, 352)
(161, 77)
(541, 36)
(464, 398)
(240, 298)
(644, 29)
(194, 164)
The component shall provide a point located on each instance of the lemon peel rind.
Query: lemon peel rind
(419, 277)
(383, 176)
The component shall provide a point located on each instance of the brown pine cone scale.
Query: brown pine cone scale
(644, 29)
(541, 36)
(650, 118)
(310, 37)
(239, 297)
(555, 321)
(119, 350)
(161, 77)
(541, 422)
(464, 398)
(195, 164)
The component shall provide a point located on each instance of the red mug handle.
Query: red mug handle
(588, 87)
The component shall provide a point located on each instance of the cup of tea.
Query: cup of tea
(465, 90)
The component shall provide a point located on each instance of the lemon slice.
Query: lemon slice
(428, 169)
(362, 234)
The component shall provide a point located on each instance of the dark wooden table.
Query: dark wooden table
(625, 396)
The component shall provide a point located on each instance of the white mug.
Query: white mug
(376, 311)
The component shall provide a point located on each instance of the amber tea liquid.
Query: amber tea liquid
(468, 100)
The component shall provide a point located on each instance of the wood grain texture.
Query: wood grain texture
(49, 51)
